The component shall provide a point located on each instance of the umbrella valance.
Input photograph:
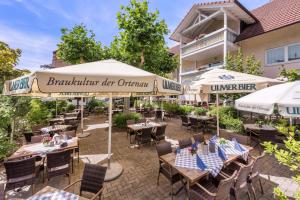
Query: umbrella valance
(284, 97)
(222, 81)
(92, 79)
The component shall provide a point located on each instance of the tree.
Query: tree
(252, 66)
(288, 156)
(230, 63)
(141, 39)
(78, 45)
(239, 61)
(291, 75)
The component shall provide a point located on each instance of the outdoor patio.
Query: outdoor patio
(139, 177)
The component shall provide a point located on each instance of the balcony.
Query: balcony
(189, 71)
(209, 45)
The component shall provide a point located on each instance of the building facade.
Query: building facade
(211, 30)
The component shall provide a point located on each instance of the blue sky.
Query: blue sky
(34, 25)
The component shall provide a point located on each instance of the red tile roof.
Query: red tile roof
(271, 16)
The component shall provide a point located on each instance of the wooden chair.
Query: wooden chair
(255, 173)
(241, 181)
(199, 137)
(58, 163)
(92, 180)
(21, 173)
(184, 143)
(159, 133)
(185, 122)
(144, 137)
(171, 174)
(208, 189)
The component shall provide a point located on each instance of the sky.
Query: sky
(34, 25)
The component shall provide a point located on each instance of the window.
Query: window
(294, 52)
(275, 56)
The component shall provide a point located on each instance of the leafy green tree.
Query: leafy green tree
(288, 156)
(78, 45)
(230, 63)
(39, 112)
(291, 75)
(252, 66)
(141, 39)
(239, 61)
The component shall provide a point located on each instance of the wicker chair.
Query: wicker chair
(69, 133)
(171, 174)
(92, 180)
(198, 137)
(144, 137)
(185, 122)
(38, 138)
(187, 142)
(143, 120)
(241, 181)
(159, 133)
(195, 125)
(73, 127)
(20, 173)
(209, 189)
(129, 131)
(159, 114)
(58, 163)
(76, 150)
(255, 173)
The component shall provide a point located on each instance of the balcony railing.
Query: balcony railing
(192, 70)
(208, 40)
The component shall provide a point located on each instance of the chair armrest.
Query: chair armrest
(224, 174)
(67, 187)
(97, 194)
(238, 163)
(206, 191)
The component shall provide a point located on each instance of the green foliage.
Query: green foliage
(177, 109)
(141, 39)
(243, 64)
(289, 156)
(200, 111)
(291, 74)
(6, 147)
(39, 113)
(78, 45)
(70, 107)
(94, 103)
(120, 120)
(228, 118)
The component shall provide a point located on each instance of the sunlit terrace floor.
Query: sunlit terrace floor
(138, 180)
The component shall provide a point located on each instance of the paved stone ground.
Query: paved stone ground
(138, 180)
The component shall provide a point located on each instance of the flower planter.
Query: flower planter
(228, 134)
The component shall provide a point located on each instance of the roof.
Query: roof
(231, 5)
(271, 16)
(175, 50)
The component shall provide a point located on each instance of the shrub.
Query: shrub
(94, 103)
(176, 109)
(120, 120)
(70, 107)
(6, 147)
(39, 113)
(200, 111)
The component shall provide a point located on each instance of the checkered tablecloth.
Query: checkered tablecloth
(229, 149)
(213, 162)
(56, 195)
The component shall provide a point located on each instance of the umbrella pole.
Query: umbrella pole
(218, 128)
(109, 129)
(82, 135)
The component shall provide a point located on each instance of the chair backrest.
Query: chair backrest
(163, 148)
(73, 127)
(57, 159)
(146, 134)
(184, 119)
(257, 164)
(198, 137)
(158, 114)
(92, 178)
(187, 142)
(160, 130)
(37, 127)
(223, 190)
(20, 168)
(38, 138)
(194, 121)
(143, 120)
(243, 175)
(130, 122)
(69, 133)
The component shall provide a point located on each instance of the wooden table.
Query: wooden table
(24, 152)
(201, 117)
(193, 175)
(141, 126)
(50, 190)
(56, 128)
(71, 114)
(257, 128)
(62, 119)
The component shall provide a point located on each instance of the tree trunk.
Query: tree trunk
(142, 58)
(12, 130)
